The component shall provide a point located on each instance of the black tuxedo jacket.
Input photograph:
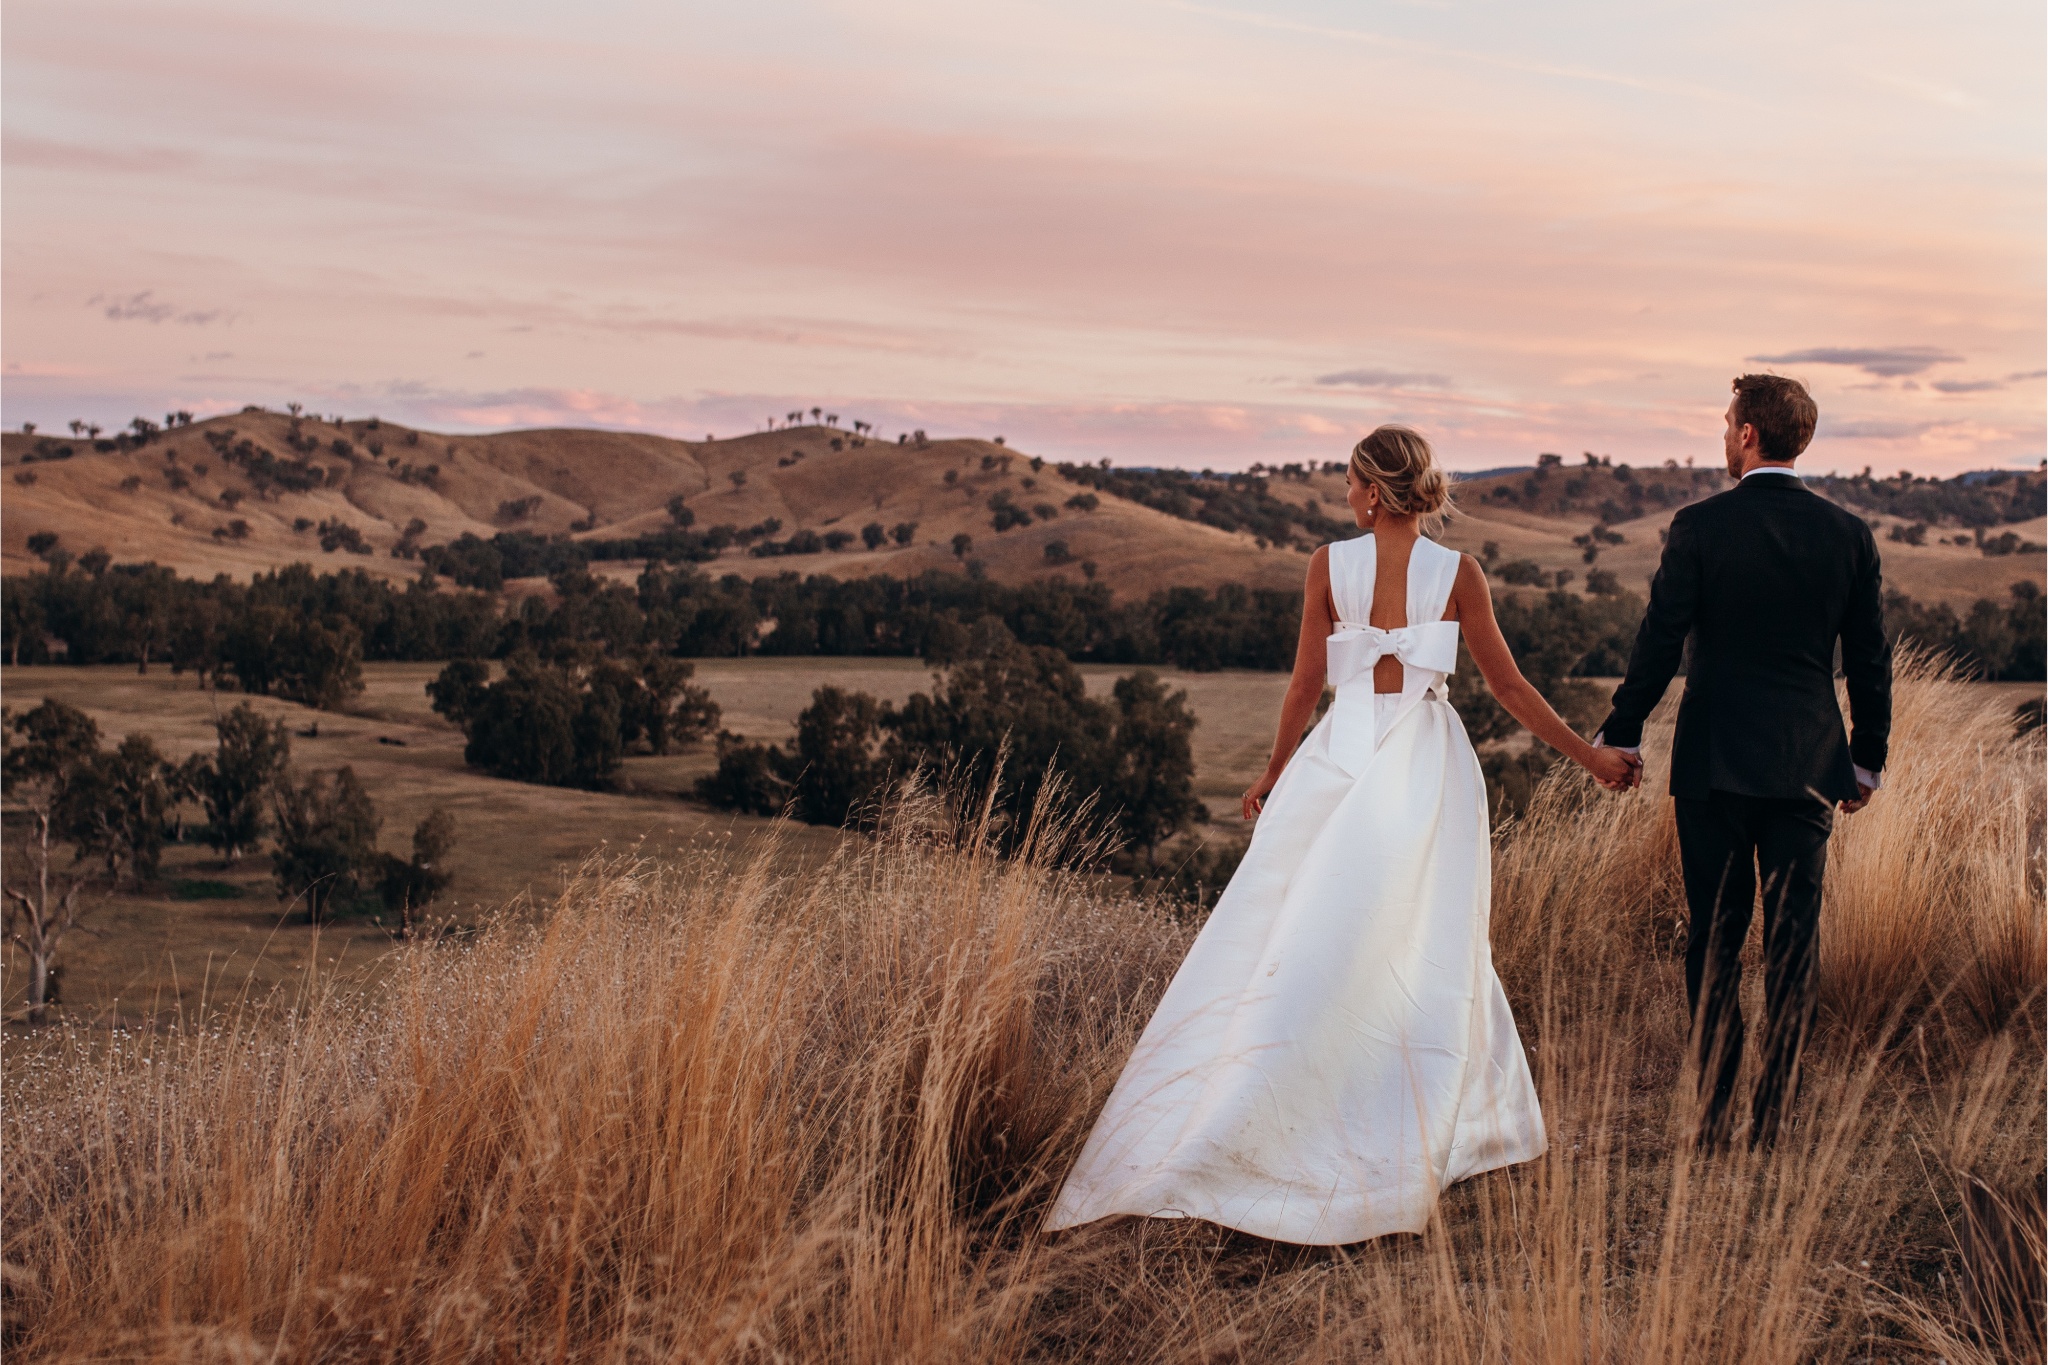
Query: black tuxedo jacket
(1764, 578)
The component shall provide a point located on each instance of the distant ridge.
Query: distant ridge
(259, 490)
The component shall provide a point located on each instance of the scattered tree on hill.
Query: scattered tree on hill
(962, 543)
(116, 805)
(326, 840)
(235, 787)
(746, 779)
(459, 689)
(903, 532)
(679, 513)
(407, 545)
(1028, 705)
(21, 619)
(873, 535)
(45, 747)
(336, 534)
(837, 763)
(274, 651)
(408, 885)
(1152, 779)
(657, 702)
(1602, 582)
(568, 726)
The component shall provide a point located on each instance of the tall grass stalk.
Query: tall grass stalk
(712, 1111)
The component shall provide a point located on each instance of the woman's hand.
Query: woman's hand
(1255, 795)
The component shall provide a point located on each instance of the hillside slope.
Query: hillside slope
(176, 500)
(252, 492)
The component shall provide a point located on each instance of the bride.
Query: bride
(1336, 1048)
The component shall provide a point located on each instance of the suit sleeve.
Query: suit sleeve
(1867, 664)
(1660, 640)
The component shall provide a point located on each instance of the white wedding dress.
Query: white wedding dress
(1336, 1048)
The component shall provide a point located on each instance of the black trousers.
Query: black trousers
(1727, 844)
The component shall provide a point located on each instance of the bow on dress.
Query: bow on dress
(1353, 650)
(1427, 652)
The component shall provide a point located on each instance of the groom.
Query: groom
(1763, 579)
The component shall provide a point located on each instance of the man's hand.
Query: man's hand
(1863, 795)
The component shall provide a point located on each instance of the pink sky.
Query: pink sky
(1166, 233)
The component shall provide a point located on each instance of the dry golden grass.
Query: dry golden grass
(709, 1112)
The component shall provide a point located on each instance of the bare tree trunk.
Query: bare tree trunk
(38, 986)
(39, 917)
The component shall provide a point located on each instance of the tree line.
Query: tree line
(303, 636)
(116, 808)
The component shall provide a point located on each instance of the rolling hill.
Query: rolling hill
(251, 492)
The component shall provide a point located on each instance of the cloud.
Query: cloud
(1930, 92)
(1885, 361)
(146, 307)
(1384, 379)
(1872, 430)
(1966, 385)
(2017, 375)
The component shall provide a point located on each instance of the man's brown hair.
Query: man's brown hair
(1780, 409)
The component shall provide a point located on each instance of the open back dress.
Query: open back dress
(1335, 1048)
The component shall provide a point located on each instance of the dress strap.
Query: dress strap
(1353, 566)
(1430, 581)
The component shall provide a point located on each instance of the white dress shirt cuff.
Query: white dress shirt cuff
(1632, 750)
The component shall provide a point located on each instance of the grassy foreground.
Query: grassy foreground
(708, 1112)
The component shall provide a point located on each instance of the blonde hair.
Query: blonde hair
(1399, 463)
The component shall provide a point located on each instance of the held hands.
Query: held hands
(1615, 770)
(1863, 795)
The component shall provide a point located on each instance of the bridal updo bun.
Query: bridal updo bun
(1399, 462)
